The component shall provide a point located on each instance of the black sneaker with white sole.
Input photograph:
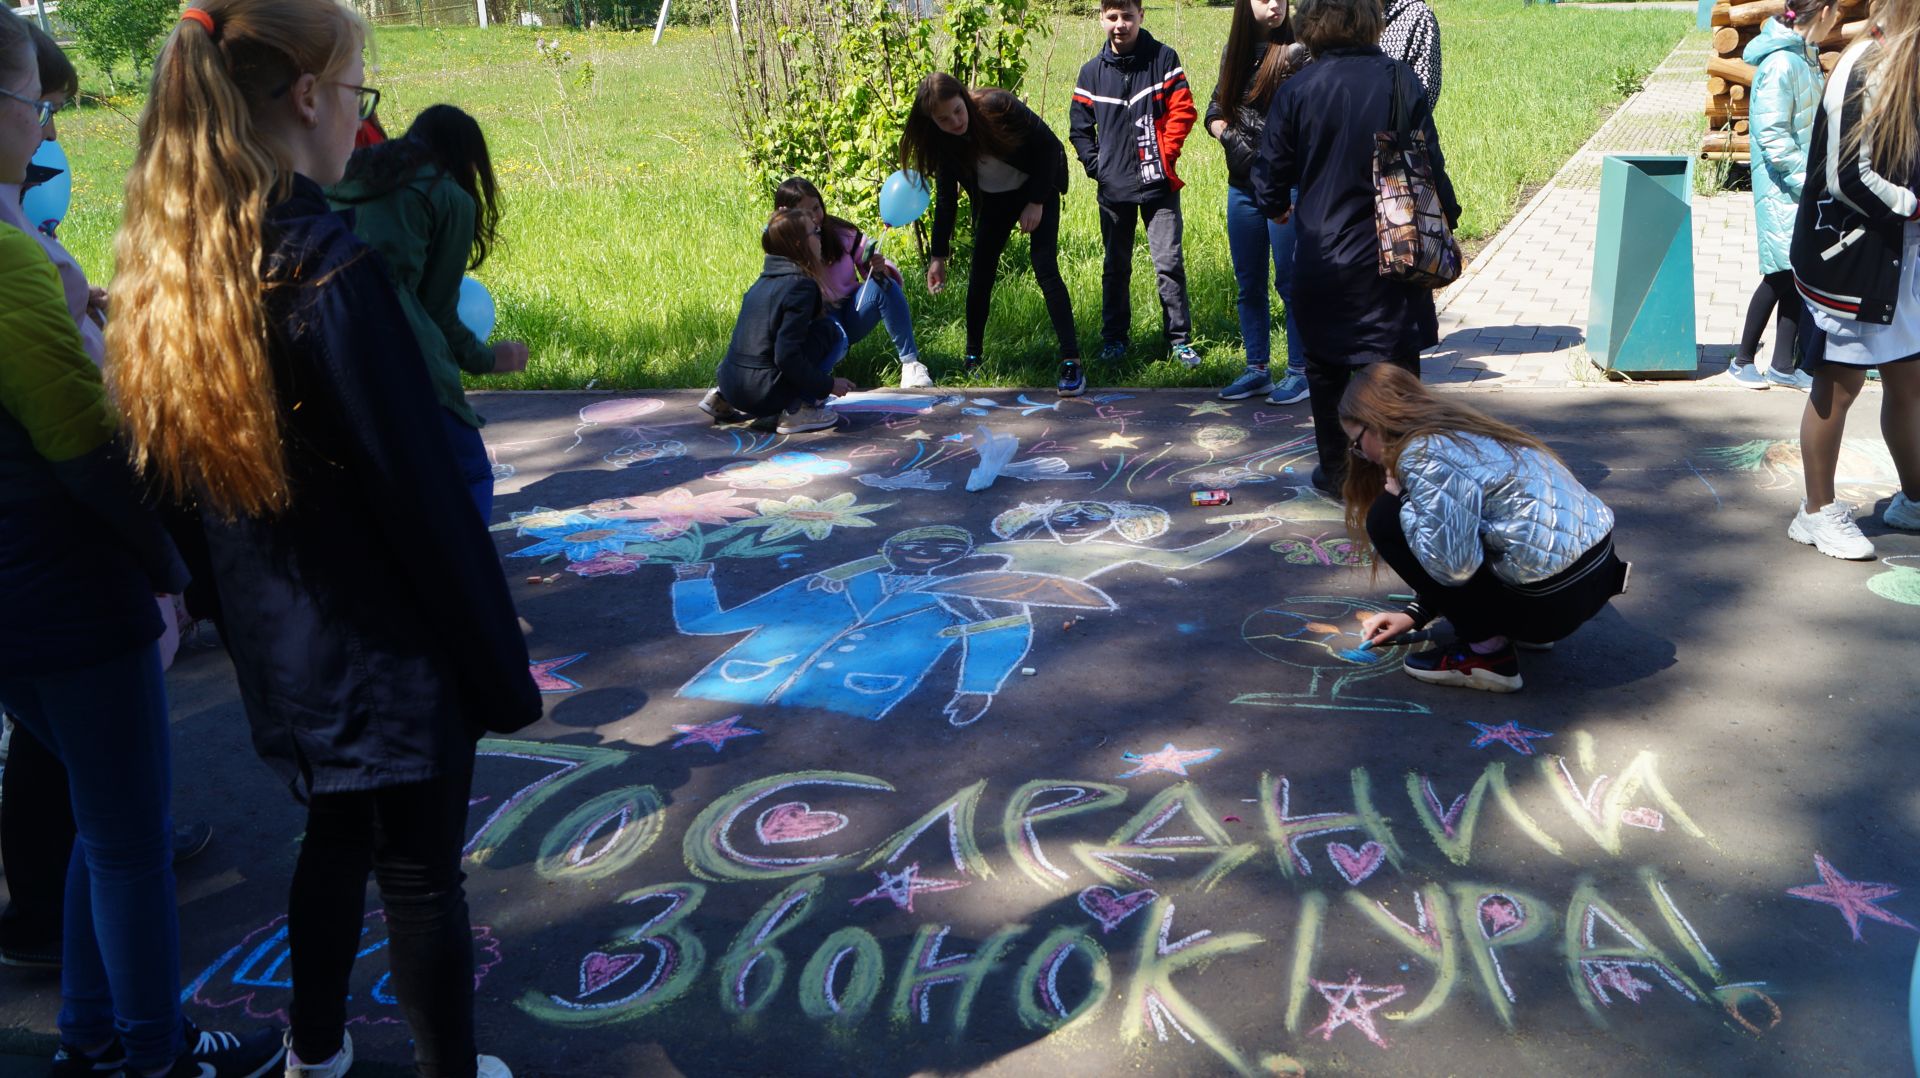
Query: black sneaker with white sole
(1458, 664)
(215, 1053)
(71, 1062)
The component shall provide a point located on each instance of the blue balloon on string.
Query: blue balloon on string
(476, 308)
(46, 204)
(904, 198)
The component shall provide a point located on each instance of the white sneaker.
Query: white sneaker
(716, 406)
(1831, 531)
(336, 1067)
(806, 417)
(491, 1067)
(1903, 513)
(913, 375)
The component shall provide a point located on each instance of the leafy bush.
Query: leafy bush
(114, 32)
(821, 88)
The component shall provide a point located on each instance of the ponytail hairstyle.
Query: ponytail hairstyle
(786, 237)
(1801, 13)
(1394, 405)
(187, 345)
(1890, 129)
(1236, 88)
(924, 148)
(792, 193)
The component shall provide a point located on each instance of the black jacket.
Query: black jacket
(1130, 119)
(1036, 151)
(369, 623)
(1246, 122)
(779, 343)
(1847, 239)
(1320, 140)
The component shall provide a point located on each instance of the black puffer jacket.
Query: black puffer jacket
(779, 343)
(1241, 137)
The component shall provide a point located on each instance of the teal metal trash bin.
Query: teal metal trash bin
(1641, 318)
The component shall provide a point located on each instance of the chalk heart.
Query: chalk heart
(796, 821)
(599, 970)
(1356, 865)
(1110, 907)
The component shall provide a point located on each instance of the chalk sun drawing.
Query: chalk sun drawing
(1853, 898)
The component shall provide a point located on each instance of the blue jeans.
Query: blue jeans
(1251, 240)
(476, 468)
(873, 302)
(121, 967)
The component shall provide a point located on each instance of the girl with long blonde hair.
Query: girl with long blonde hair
(270, 378)
(1856, 261)
(1484, 523)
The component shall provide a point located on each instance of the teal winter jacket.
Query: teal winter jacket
(1785, 95)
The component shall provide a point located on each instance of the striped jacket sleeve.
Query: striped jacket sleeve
(1850, 174)
(1176, 122)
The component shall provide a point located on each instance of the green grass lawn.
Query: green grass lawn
(624, 259)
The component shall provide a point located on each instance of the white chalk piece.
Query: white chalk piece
(996, 452)
(1028, 671)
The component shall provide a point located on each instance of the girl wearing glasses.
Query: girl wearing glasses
(273, 378)
(1485, 524)
(427, 202)
(786, 342)
(80, 561)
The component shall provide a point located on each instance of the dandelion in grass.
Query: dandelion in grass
(677, 510)
(584, 542)
(816, 519)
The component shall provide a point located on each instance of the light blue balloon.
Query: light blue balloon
(904, 198)
(47, 204)
(476, 308)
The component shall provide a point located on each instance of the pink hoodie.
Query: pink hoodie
(72, 278)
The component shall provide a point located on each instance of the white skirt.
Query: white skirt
(1862, 344)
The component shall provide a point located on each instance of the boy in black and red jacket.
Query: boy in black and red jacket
(1132, 110)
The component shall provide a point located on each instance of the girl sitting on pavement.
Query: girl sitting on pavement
(1786, 93)
(1485, 524)
(785, 344)
(869, 286)
(1856, 261)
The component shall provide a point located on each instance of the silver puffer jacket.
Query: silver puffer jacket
(1470, 499)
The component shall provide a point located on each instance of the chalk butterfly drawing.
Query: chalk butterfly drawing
(1320, 550)
(1321, 635)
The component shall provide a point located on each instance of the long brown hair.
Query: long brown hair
(1235, 88)
(187, 345)
(1395, 408)
(786, 237)
(924, 147)
(833, 245)
(1891, 126)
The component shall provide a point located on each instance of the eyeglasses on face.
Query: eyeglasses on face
(42, 110)
(368, 103)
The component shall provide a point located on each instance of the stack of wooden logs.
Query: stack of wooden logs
(1730, 78)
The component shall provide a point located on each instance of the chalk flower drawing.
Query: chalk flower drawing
(1852, 898)
(679, 509)
(584, 541)
(815, 519)
(522, 522)
(607, 565)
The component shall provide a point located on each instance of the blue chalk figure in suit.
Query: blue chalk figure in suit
(860, 642)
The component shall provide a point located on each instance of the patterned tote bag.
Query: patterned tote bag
(1416, 246)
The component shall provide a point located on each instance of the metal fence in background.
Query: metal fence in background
(613, 14)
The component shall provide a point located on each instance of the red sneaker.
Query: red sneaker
(1458, 664)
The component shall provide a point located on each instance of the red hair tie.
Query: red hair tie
(194, 14)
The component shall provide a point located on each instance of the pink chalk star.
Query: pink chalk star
(714, 734)
(1350, 1003)
(1511, 734)
(545, 677)
(1852, 898)
(1169, 759)
(900, 887)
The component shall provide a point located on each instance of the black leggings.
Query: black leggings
(410, 837)
(995, 216)
(1486, 606)
(36, 842)
(1776, 293)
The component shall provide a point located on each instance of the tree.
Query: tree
(114, 32)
